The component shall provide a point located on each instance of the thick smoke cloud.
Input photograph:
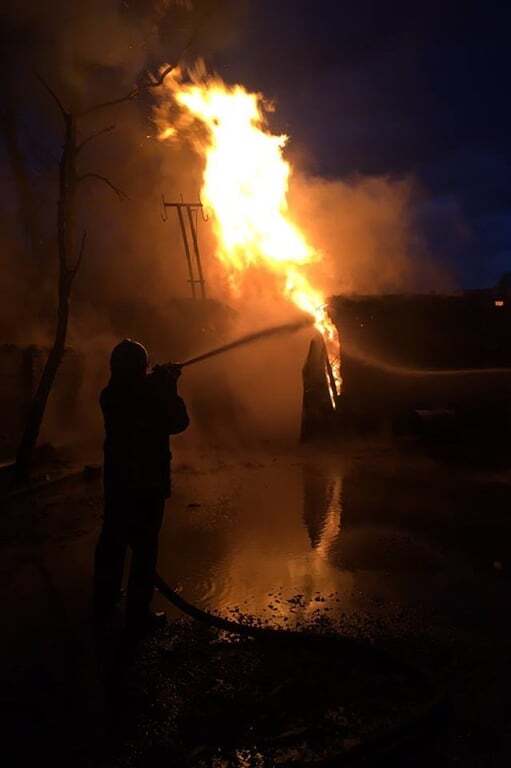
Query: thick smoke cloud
(89, 52)
(366, 228)
(133, 269)
(133, 281)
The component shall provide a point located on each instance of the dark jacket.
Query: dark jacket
(139, 417)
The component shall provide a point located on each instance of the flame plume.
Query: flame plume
(245, 185)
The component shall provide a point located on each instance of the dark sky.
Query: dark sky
(412, 88)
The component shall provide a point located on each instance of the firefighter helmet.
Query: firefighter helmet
(129, 357)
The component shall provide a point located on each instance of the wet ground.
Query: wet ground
(401, 551)
(362, 532)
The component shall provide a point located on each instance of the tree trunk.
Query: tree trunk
(68, 266)
(40, 399)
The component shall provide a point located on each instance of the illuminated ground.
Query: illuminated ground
(411, 554)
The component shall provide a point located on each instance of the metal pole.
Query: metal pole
(187, 248)
(196, 248)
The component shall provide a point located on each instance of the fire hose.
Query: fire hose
(266, 333)
(382, 741)
(350, 350)
(418, 723)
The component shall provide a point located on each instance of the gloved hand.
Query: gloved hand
(174, 370)
(171, 371)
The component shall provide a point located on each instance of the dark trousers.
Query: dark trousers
(131, 519)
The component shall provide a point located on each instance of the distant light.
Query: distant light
(499, 303)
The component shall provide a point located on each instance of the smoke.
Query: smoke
(89, 47)
(365, 228)
(88, 52)
(364, 231)
(134, 280)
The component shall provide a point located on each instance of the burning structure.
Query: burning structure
(245, 186)
(401, 354)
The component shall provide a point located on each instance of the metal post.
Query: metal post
(190, 207)
(187, 248)
(197, 254)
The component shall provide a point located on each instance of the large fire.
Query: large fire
(245, 186)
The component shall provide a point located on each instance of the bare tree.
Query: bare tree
(70, 256)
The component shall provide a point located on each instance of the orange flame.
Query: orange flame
(245, 185)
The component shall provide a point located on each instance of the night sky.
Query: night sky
(402, 90)
(398, 89)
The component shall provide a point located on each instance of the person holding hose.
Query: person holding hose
(141, 410)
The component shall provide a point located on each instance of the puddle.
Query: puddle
(253, 537)
(372, 534)
(286, 538)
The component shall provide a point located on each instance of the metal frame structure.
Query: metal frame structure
(193, 260)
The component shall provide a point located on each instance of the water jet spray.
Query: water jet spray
(250, 338)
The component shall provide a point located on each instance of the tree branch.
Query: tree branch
(107, 129)
(152, 83)
(155, 83)
(64, 113)
(112, 103)
(76, 267)
(120, 194)
(168, 69)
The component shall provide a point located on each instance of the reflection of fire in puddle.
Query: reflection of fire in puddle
(322, 512)
(268, 555)
(333, 520)
(295, 539)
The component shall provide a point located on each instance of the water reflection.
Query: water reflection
(315, 578)
(322, 508)
(266, 530)
(331, 533)
(261, 535)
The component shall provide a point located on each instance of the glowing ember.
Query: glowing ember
(245, 185)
